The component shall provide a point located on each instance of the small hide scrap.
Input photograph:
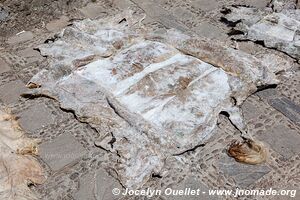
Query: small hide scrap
(18, 167)
(277, 30)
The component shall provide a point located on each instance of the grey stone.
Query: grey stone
(36, 117)
(157, 13)
(93, 11)
(58, 24)
(82, 93)
(279, 5)
(97, 185)
(170, 22)
(22, 37)
(122, 4)
(286, 107)
(30, 55)
(243, 174)
(267, 93)
(254, 22)
(250, 111)
(86, 188)
(10, 92)
(194, 184)
(152, 9)
(3, 14)
(208, 30)
(283, 140)
(61, 151)
(182, 13)
(254, 3)
(3, 66)
(205, 5)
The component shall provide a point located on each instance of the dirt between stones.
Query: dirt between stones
(29, 14)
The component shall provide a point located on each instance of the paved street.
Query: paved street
(78, 170)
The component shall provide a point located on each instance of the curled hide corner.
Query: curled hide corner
(18, 167)
(248, 151)
(179, 84)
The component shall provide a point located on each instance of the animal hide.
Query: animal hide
(148, 95)
(278, 30)
(18, 167)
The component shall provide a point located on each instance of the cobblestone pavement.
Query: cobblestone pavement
(76, 169)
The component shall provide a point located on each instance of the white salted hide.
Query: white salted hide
(148, 95)
(18, 167)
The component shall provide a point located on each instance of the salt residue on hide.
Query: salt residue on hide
(279, 30)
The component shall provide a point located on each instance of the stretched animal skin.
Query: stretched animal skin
(149, 96)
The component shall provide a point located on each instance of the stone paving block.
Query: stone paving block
(93, 11)
(36, 117)
(194, 184)
(10, 92)
(4, 67)
(22, 37)
(122, 4)
(287, 108)
(253, 3)
(182, 13)
(30, 55)
(250, 111)
(267, 94)
(57, 25)
(243, 174)
(86, 188)
(151, 8)
(205, 5)
(97, 186)
(208, 30)
(282, 139)
(291, 104)
(157, 13)
(61, 151)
